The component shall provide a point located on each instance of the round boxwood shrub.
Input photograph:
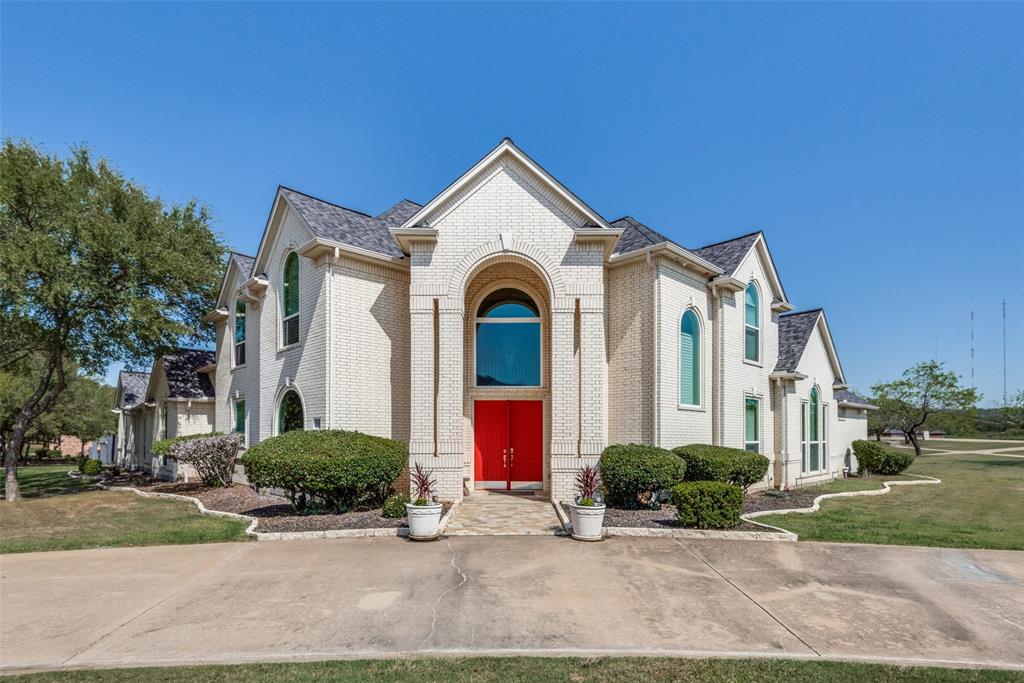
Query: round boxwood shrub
(92, 467)
(343, 469)
(708, 504)
(718, 463)
(394, 507)
(633, 474)
(876, 458)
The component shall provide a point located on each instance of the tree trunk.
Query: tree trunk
(878, 435)
(11, 489)
(913, 440)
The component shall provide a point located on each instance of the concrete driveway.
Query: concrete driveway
(503, 595)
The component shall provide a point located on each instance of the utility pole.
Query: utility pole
(1004, 351)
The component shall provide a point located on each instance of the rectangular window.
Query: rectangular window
(751, 343)
(508, 354)
(163, 421)
(824, 436)
(290, 330)
(752, 440)
(803, 436)
(240, 417)
(239, 332)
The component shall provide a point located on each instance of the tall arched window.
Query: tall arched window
(289, 413)
(240, 332)
(508, 341)
(290, 300)
(814, 431)
(752, 325)
(689, 360)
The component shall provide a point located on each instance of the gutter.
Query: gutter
(688, 258)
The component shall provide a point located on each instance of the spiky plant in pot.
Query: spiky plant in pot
(588, 484)
(424, 485)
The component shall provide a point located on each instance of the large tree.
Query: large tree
(919, 394)
(95, 270)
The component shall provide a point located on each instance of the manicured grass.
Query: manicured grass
(855, 484)
(953, 445)
(41, 480)
(95, 519)
(978, 505)
(539, 669)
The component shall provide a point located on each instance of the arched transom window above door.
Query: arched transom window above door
(508, 340)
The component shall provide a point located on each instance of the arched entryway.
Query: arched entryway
(507, 378)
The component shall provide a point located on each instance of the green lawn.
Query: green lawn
(488, 669)
(96, 519)
(978, 505)
(43, 480)
(953, 445)
(1016, 452)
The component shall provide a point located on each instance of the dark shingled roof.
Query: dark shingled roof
(727, 255)
(338, 224)
(847, 396)
(399, 213)
(636, 235)
(243, 262)
(183, 377)
(133, 385)
(794, 331)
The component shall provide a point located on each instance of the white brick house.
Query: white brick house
(507, 333)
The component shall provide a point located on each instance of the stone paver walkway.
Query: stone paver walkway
(488, 513)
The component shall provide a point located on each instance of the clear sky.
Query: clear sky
(880, 146)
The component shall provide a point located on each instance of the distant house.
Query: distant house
(174, 399)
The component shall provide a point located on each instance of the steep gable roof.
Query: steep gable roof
(508, 153)
(636, 235)
(343, 225)
(132, 388)
(243, 263)
(729, 254)
(399, 213)
(183, 377)
(794, 332)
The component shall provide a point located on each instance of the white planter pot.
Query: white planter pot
(587, 521)
(424, 521)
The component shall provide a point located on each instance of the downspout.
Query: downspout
(655, 337)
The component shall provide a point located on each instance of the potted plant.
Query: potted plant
(423, 512)
(587, 509)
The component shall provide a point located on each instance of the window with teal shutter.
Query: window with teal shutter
(240, 332)
(752, 441)
(689, 360)
(290, 300)
(240, 417)
(752, 326)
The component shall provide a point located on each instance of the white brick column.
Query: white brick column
(421, 417)
(564, 382)
(448, 466)
(593, 380)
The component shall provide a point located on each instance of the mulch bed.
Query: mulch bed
(275, 513)
(653, 519)
(756, 501)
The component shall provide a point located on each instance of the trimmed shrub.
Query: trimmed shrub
(41, 453)
(163, 446)
(212, 457)
(718, 463)
(344, 469)
(708, 504)
(634, 474)
(875, 458)
(394, 507)
(54, 453)
(92, 467)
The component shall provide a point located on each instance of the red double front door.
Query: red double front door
(509, 444)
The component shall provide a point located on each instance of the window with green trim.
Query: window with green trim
(290, 301)
(163, 420)
(752, 439)
(689, 359)
(239, 332)
(752, 324)
(289, 413)
(240, 416)
(814, 432)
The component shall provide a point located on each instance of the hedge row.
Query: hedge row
(718, 463)
(875, 458)
(342, 469)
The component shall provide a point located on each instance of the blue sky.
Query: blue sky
(880, 146)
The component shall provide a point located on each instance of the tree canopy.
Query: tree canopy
(912, 402)
(95, 270)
